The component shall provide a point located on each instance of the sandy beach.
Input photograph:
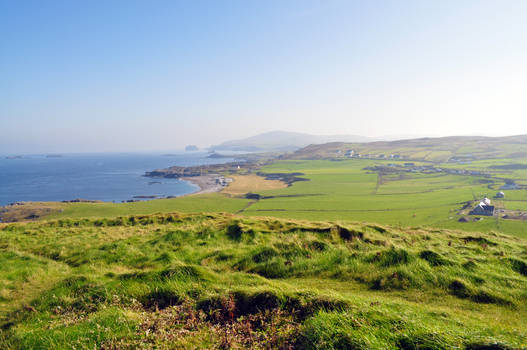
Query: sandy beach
(206, 183)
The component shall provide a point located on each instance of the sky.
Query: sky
(92, 76)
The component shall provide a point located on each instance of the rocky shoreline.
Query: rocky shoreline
(208, 177)
(199, 170)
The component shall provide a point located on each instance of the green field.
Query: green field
(221, 281)
(342, 190)
(211, 202)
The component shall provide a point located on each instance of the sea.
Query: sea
(109, 177)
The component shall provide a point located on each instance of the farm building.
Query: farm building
(483, 209)
(500, 194)
(223, 181)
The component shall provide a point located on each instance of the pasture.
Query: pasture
(209, 202)
(343, 190)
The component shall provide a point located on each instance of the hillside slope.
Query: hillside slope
(222, 281)
(282, 141)
(428, 149)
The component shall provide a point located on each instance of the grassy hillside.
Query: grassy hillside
(428, 149)
(221, 281)
(283, 141)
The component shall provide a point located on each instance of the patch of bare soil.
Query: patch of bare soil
(222, 328)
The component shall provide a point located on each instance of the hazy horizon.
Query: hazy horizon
(209, 147)
(141, 76)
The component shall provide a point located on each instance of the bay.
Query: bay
(110, 177)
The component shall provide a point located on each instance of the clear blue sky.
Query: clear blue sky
(157, 75)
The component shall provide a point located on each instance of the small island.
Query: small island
(217, 155)
(191, 148)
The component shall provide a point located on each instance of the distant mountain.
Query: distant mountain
(282, 141)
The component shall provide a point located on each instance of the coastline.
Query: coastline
(107, 177)
(206, 184)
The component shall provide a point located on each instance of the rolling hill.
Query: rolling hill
(426, 149)
(283, 141)
(220, 281)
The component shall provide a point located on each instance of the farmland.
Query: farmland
(243, 184)
(347, 190)
(343, 190)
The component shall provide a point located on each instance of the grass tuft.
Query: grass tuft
(433, 258)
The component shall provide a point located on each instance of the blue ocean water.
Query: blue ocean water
(105, 176)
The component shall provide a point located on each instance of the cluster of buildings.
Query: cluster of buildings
(429, 169)
(352, 154)
(223, 181)
(461, 159)
(483, 208)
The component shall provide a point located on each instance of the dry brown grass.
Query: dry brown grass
(29, 211)
(243, 184)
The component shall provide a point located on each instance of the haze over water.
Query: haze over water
(104, 176)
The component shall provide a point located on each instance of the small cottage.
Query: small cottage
(483, 209)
